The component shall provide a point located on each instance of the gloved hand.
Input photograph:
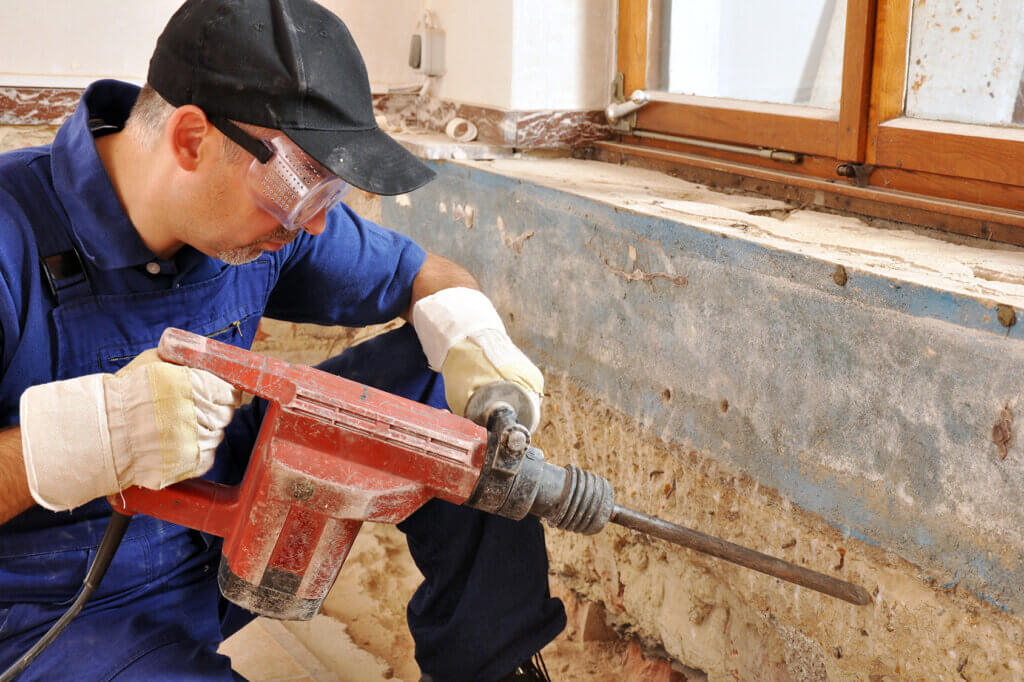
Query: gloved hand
(151, 424)
(464, 339)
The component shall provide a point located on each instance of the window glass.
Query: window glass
(966, 61)
(786, 53)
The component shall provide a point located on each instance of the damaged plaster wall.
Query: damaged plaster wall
(16, 137)
(736, 624)
(833, 400)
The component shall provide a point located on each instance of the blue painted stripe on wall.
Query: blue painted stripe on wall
(849, 400)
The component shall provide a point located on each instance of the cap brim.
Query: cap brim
(368, 159)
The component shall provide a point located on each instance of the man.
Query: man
(203, 203)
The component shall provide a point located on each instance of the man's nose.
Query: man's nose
(317, 225)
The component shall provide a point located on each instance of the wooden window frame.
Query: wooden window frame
(953, 170)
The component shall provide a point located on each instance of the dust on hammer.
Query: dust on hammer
(332, 454)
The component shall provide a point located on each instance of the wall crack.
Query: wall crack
(638, 275)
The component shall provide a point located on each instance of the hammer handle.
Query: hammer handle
(195, 503)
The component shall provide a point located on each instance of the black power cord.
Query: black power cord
(108, 546)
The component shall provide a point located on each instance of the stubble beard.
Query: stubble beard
(240, 255)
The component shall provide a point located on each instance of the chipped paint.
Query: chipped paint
(515, 243)
(463, 213)
(1002, 432)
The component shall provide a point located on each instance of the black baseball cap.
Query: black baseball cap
(290, 65)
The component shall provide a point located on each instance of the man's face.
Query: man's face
(227, 222)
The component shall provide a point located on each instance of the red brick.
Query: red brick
(640, 668)
(592, 624)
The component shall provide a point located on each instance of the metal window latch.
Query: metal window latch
(858, 172)
(621, 113)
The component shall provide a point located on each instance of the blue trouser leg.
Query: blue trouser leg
(154, 616)
(484, 605)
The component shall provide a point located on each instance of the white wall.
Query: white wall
(57, 43)
(509, 54)
(563, 54)
(479, 50)
(528, 54)
(382, 29)
(62, 43)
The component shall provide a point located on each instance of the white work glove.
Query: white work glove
(151, 424)
(464, 339)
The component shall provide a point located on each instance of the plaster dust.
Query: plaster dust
(904, 254)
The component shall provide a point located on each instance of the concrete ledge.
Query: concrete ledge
(868, 395)
(435, 147)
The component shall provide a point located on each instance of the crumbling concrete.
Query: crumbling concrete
(737, 624)
(707, 615)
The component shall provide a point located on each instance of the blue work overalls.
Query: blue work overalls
(484, 604)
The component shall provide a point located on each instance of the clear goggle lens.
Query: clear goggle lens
(292, 187)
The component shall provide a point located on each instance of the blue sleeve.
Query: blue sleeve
(355, 273)
(8, 324)
(14, 268)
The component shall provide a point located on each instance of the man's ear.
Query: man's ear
(189, 134)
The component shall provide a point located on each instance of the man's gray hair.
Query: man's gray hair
(148, 119)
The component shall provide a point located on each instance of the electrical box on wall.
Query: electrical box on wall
(426, 50)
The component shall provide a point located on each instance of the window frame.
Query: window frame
(947, 168)
(961, 150)
(791, 127)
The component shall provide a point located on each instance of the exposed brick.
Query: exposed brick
(592, 625)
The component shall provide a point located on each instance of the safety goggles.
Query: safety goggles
(285, 181)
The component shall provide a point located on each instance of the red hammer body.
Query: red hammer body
(330, 455)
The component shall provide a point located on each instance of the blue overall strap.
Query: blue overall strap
(60, 261)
